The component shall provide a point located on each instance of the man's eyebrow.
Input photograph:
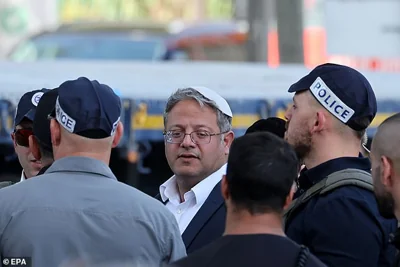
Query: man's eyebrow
(177, 125)
(202, 126)
(194, 126)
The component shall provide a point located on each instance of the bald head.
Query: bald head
(387, 139)
(68, 144)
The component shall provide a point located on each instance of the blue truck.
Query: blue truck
(253, 91)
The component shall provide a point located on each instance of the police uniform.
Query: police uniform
(41, 123)
(26, 109)
(343, 227)
(78, 211)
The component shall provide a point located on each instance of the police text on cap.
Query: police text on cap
(330, 101)
(66, 121)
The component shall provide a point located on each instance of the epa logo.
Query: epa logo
(16, 261)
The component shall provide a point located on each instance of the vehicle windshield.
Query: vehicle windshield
(90, 46)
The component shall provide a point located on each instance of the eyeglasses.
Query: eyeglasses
(197, 137)
(21, 136)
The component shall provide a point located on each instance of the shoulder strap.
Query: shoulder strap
(337, 179)
(303, 256)
(354, 177)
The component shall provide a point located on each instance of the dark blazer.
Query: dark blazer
(208, 224)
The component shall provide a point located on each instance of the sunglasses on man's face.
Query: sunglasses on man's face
(21, 136)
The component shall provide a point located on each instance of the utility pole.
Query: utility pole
(257, 17)
(290, 30)
(201, 9)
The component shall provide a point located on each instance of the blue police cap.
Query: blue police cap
(87, 108)
(27, 105)
(343, 91)
(41, 122)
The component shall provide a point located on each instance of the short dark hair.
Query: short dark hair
(260, 173)
(273, 125)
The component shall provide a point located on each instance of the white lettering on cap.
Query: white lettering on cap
(66, 121)
(36, 98)
(115, 124)
(330, 101)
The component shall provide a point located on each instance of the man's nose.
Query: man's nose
(187, 141)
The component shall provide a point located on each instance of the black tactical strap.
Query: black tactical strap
(335, 180)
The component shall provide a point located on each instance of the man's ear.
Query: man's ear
(387, 172)
(13, 138)
(319, 122)
(228, 139)
(118, 134)
(34, 147)
(224, 188)
(55, 132)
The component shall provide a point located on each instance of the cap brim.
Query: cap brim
(299, 86)
(303, 84)
(30, 115)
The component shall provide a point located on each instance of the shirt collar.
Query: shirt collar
(309, 177)
(168, 189)
(81, 164)
(22, 176)
(201, 190)
(41, 171)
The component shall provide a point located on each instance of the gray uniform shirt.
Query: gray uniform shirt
(78, 211)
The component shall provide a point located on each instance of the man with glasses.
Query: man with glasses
(198, 135)
(23, 124)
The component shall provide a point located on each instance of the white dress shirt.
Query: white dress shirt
(193, 200)
(22, 176)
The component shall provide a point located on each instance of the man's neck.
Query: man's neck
(185, 184)
(327, 151)
(104, 157)
(243, 223)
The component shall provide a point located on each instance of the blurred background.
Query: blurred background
(359, 33)
(248, 50)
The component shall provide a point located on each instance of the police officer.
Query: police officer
(23, 129)
(40, 141)
(340, 222)
(77, 209)
(385, 163)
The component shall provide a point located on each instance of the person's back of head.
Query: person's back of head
(260, 173)
(273, 125)
(86, 120)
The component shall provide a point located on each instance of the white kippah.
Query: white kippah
(221, 103)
